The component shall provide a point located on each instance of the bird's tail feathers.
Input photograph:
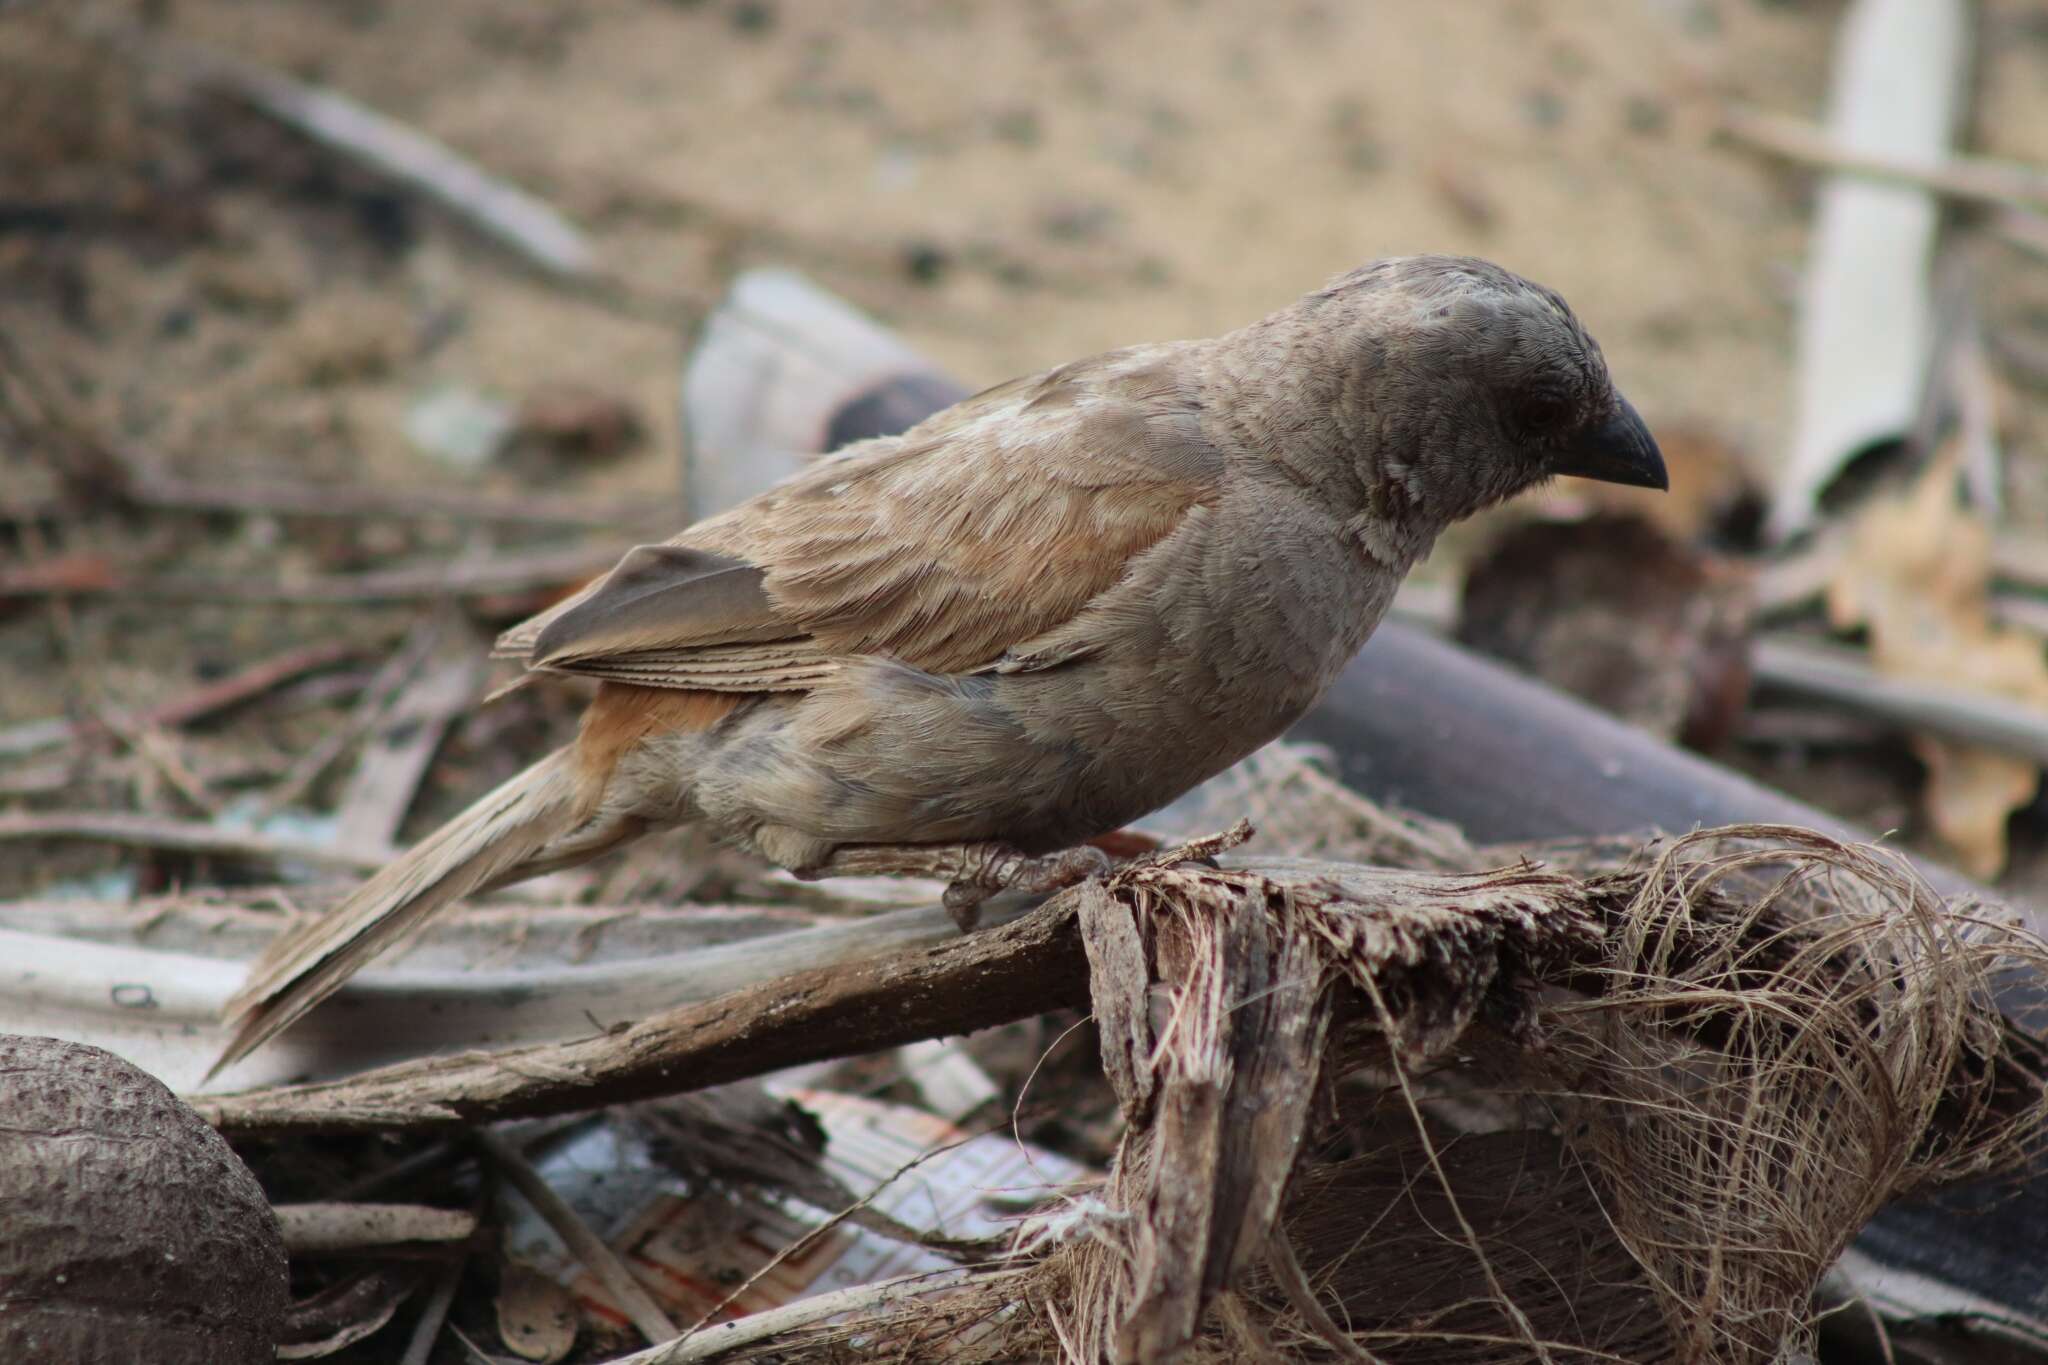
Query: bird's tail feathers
(486, 844)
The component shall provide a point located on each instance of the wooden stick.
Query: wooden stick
(395, 759)
(1846, 678)
(55, 970)
(713, 1342)
(375, 699)
(1971, 179)
(330, 1228)
(427, 1330)
(150, 486)
(586, 1246)
(180, 836)
(511, 573)
(512, 216)
(957, 986)
(213, 697)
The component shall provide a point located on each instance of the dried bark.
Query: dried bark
(968, 983)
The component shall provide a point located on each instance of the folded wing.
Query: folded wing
(983, 529)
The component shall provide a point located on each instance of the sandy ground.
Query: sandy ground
(1010, 185)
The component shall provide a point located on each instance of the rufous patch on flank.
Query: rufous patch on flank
(622, 715)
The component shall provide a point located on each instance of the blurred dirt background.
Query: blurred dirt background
(1009, 185)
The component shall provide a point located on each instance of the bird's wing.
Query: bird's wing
(984, 528)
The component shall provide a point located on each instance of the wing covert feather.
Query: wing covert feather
(987, 526)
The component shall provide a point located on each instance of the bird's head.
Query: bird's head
(1455, 384)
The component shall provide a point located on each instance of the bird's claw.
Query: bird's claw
(1008, 870)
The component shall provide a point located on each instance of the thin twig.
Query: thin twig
(1295, 1287)
(536, 230)
(1391, 1030)
(256, 679)
(181, 836)
(376, 698)
(404, 1169)
(60, 576)
(213, 697)
(425, 1332)
(476, 1352)
(535, 571)
(1969, 178)
(730, 1336)
(600, 1260)
(394, 760)
(150, 486)
(434, 1315)
(327, 1228)
(150, 744)
(811, 1237)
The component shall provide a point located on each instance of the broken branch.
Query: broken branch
(512, 573)
(598, 1258)
(957, 986)
(515, 218)
(331, 1228)
(1972, 179)
(181, 836)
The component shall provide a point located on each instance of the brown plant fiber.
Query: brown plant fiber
(1703, 1065)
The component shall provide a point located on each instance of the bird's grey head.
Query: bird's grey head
(1460, 384)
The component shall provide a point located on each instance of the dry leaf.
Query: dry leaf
(1917, 573)
(342, 1314)
(536, 1316)
(1971, 792)
(1613, 610)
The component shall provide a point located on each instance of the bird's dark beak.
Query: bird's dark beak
(1619, 450)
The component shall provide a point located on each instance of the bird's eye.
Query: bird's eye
(1542, 411)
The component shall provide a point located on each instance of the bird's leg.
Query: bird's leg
(972, 872)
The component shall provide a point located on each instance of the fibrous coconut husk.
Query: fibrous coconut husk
(1708, 1061)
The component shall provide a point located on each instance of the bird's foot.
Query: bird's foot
(1005, 869)
(972, 872)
